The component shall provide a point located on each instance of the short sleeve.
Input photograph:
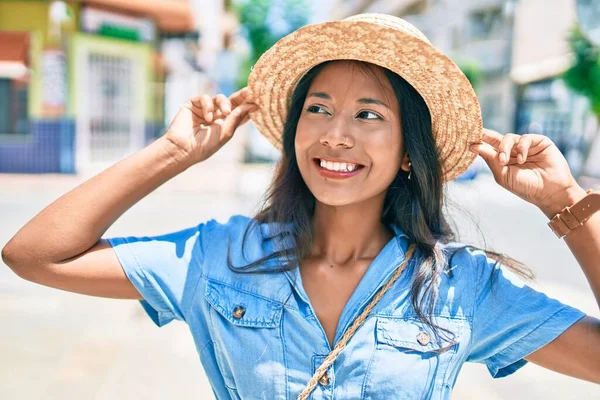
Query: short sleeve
(164, 269)
(511, 319)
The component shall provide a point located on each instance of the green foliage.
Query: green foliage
(472, 71)
(254, 17)
(584, 75)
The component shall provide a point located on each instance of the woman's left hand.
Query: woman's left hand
(532, 167)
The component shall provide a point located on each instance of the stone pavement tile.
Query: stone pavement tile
(69, 347)
(472, 384)
(170, 371)
(589, 182)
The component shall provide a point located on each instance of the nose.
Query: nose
(337, 136)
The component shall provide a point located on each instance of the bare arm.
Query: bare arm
(533, 168)
(61, 247)
(577, 351)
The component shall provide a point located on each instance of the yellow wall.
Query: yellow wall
(24, 15)
(32, 16)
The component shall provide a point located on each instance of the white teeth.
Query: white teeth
(335, 166)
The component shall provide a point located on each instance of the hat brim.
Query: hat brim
(452, 103)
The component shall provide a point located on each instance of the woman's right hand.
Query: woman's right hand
(204, 124)
(62, 249)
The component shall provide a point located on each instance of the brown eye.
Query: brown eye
(368, 115)
(313, 109)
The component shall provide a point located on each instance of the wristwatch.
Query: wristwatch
(576, 215)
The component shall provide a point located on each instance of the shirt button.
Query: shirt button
(324, 380)
(423, 338)
(239, 312)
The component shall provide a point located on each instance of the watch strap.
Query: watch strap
(574, 216)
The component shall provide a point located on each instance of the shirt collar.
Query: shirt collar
(378, 273)
(397, 231)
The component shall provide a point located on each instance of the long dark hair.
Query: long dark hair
(414, 205)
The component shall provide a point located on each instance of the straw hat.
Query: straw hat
(386, 41)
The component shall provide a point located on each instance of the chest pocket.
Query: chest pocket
(247, 340)
(414, 335)
(242, 308)
(409, 362)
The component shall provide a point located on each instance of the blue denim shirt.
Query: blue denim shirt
(258, 337)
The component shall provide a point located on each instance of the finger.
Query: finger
(238, 116)
(223, 104)
(218, 114)
(193, 104)
(246, 118)
(505, 150)
(523, 148)
(254, 109)
(238, 97)
(487, 152)
(492, 137)
(206, 102)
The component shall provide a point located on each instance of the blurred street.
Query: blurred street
(57, 345)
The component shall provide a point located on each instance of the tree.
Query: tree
(264, 22)
(584, 78)
(472, 70)
(584, 75)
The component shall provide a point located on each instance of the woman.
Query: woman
(347, 284)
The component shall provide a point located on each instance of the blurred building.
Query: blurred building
(345, 8)
(541, 54)
(82, 83)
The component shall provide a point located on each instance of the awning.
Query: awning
(543, 69)
(173, 16)
(14, 54)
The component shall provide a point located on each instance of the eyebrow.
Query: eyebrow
(372, 101)
(364, 100)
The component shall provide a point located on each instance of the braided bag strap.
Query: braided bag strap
(312, 383)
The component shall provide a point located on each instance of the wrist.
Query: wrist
(566, 198)
(174, 151)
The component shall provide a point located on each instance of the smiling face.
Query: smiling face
(348, 142)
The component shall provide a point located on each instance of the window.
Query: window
(13, 106)
(14, 83)
(486, 24)
(492, 111)
(456, 37)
